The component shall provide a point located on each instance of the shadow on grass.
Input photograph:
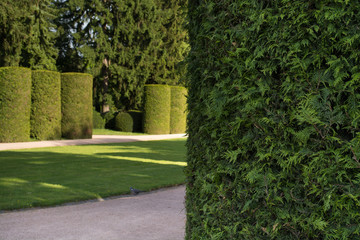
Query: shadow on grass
(50, 176)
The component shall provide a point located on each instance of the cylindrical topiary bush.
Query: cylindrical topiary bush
(157, 109)
(45, 119)
(98, 121)
(76, 105)
(15, 104)
(178, 110)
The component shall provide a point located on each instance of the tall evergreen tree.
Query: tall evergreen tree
(123, 43)
(14, 21)
(40, 52)
(169, 67)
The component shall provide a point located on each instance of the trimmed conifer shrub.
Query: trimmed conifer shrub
(76, 105)
(178, 110)
(45, 119)
(157, 109)
(98, 121)
(15, 103)
(124, 122)
(273, 122)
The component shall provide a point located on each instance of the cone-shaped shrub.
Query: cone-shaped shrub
(76, 105)
(274, 120)
(178, 110)
(157, 109)
(45, 121)
(15, 104)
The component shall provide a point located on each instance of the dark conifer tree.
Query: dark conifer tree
(169, 67)
(39, 51)
(124, 44)
(14, 19)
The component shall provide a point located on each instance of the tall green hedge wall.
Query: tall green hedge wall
(15, 103)
(76, 105)
(157, 109)
(178, 110)
(274, 120)
(45, 118)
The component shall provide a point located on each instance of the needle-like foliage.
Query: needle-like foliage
(273, 124)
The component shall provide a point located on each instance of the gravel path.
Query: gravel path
(158, 215)
(97, 139)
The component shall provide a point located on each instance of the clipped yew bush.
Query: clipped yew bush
(157, 109)
(273, 122)
(76, 105)
(45, 120)
(15, 104)
(124, 122)
(178, 110)
(98, 121)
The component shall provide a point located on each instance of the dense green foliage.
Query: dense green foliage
(98, 121)
(39, 51)
(15, 104)
(129, 121)
(45, 119)
(274, 147)
(27, 34)
(124, 122)
(13, 31)
(178, 110)
(157, 109)
(123, 44)
(76, 105)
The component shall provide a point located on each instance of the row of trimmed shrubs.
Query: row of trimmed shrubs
(164, 112)
(44, 105)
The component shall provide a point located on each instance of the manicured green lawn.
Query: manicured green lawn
(112, 132)
(50, 176)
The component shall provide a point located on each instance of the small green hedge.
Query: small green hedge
(76, 105)
(124, 122)
(98, 121)
(129, 121)
(45, 118)
(178, 110)
(157, 109)
(15, 104)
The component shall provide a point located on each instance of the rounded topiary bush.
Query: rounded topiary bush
(98, 121)
(129, 121)
(124, 122)
(76, 105)
(15, 104)
(157, 109)
(45, 120)
(178, 110)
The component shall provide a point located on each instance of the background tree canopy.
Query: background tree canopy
(122, 43)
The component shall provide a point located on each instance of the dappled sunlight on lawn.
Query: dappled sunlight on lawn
(148, 160)
(54, 175)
